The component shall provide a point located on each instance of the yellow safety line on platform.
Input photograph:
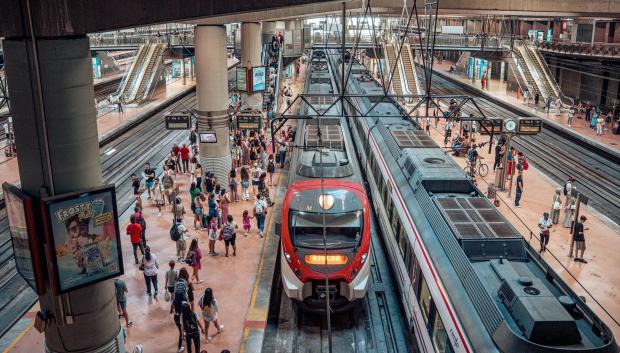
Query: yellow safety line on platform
(258, 314)
(19, 337)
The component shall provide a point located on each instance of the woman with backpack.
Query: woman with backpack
(194, 258)
(229, 235)
(260, 211)
(191, 327)
(180, 296)
(213, 213)
(271, 168)
(210, 309)
(150, 266)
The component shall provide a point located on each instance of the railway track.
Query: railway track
(556, 153)
(121, 155)
(104, 89)
(374, 324)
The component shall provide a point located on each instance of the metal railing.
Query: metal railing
(589, 49)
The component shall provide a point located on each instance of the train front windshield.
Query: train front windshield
(342, 230)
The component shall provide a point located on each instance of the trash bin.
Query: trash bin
(498, 178)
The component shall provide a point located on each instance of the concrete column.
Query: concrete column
(212, 98)
(251, 48)
(60, 150)
(502, 68)
(191, 68)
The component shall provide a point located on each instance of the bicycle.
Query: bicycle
(481, 168)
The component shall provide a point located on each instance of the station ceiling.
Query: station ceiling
(54, 18)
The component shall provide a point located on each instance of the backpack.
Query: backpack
(180, 294)
(227, 232)
(259, 208)
(141, 222)
(564, 189)
(174, 232)
(191, 258)
(192, 137)
(190, 324)
(167, 181)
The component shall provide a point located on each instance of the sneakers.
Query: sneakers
(129, 323)
(156, 292)
(220, 329)
(181, 349)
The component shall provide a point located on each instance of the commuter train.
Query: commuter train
(469, 282)
(338, 201)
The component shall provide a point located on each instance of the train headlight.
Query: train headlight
(364, 257)
(287, 257)
(326, 201)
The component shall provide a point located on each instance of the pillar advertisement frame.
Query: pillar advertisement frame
(83, 238)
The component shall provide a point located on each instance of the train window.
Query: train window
(395, 221)
(439, 336)
(402, 243)
(398, 231)
(426, 301)
(413, 267)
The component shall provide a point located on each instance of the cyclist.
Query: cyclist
(472, 158)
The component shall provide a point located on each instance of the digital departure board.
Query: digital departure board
(492, 125)
(250, 122)
(529, 126)
(178, 121)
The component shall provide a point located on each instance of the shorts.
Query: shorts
(149, 184)
(254, 182)
(230, 241)
(122, 305)
(171, 290)
(198, 211)
(580, 245)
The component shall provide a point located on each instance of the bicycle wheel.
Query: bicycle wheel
(483, 170)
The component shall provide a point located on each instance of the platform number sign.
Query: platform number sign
(529, 126)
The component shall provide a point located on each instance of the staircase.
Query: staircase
(154, 63)
(391, 63)
(408, 65)
(126, 86)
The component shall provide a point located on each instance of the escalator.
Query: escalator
(390, 56)
(523, 68)
(126, 86)
(152, 69)
(412, 82)
(552, 86)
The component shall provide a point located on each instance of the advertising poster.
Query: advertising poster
(82, 230)
(176, 68)
(96, 62)
(242, 83)
(26, 247)
(258, 78)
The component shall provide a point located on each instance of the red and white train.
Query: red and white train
(325, 225)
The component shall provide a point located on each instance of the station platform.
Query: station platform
(233, 280)
(597, 280)
(498, 90)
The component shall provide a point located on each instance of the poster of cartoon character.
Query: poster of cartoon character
(84, 232)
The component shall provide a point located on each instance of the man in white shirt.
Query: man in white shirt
(544, 224)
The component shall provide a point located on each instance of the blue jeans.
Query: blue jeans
(149, 280)
(260, 222)
(518, 196)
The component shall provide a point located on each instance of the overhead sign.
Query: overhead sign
(84, 244)
(242, 78)
(530, 126)
(178, 121)
(496, 126)
(258, 78)
(249, 121)
(27, 249)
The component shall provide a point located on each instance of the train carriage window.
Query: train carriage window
(402, 243)
(413, 267)
(426, 301)
(398, 231)
(440, 338)
(395, 221)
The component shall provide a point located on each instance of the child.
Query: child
(246, 222)
(212, 231)
(172, 276)
(181, 243)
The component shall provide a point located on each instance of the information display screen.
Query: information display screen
(494, 125)
(84, 239)
(242, 79)
(26, 246)
(529, 126)
(258, 78)
(177, 121)
(208, 137)
(250, 122)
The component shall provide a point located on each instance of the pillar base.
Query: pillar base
(219, 166)
(115, 346)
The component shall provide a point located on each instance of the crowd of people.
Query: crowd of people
(255, 160)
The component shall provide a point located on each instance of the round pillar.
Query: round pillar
(57, 140)
(212, 98)
(251, 50)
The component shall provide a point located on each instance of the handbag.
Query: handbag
(167, 296)
(141, 267)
